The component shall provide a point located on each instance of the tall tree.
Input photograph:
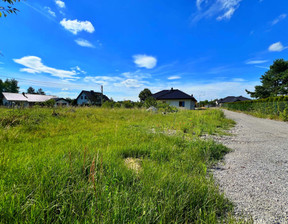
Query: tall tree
(41, 92)
(31, 90)
(274, 81)
(9, 9)
(144, 94)
(11, 86)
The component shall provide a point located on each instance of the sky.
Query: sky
(208, 48)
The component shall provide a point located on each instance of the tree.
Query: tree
(31, 90)
(274, 81)
(144, 94)
(41, 92)
(10, 85)
(8, 9)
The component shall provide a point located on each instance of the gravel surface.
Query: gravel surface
(255, 175)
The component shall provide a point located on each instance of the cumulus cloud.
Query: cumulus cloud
(103, 80)
(278, 19)
(34, 65)
(254, 62)
(174, 77)
(84, 43)
(276, 47)
(144, 61)
(60, 3)
(221, 9)
(50, 11)
(75, 26)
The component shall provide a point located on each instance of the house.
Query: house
(177, 98)
(23, 99)
(231, 99)
(61, 102)
(86, 98)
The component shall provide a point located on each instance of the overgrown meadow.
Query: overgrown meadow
(93, 165)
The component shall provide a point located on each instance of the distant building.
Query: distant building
(87, 98)
(177, 98)
(61, 102)
(231, 99)
(25, 100)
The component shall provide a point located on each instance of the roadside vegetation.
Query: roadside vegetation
(97, 165)
(271, 107)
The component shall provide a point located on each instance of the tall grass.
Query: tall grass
(70, 167)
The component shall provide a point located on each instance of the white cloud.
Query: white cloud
(238, 80)
(131, 83)
(276, 47)
(103, 80)
(221, 9)
(50, 11)
(174, 77)
(78, 70)
(144, 61)
(60, 3)
(34, 65)
(84, 43)
(65, 89)
(75, 26)
(254, 62)
(278, 19)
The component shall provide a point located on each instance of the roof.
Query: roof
(31, 98)
(173, 94)
(93, 96)
(231, 99)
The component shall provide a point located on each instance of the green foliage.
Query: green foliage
(150, 101)
(31, 90)
(49, 103)
(144, 94)
(41, 92)
(9, 9)
(10, 85)
(272, 107)
(274, 81)
(71, 168)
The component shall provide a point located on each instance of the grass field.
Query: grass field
(89, 165)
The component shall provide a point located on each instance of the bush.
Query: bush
(271, 106)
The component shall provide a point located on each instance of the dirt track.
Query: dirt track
(255, 175)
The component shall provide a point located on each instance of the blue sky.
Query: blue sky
(209, 48)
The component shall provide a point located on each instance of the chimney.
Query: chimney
(172, 89)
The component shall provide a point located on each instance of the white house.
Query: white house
(177, 98)
(25, 100)
(90, 98)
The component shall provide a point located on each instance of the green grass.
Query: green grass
(70, 168)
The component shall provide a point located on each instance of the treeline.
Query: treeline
(271, 107)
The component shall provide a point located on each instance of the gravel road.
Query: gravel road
(255, 175)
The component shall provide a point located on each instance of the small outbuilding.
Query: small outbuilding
(177, 98)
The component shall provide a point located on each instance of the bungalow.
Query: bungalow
(231, 99)
(86, 98)
(177, 98)
(25, 100)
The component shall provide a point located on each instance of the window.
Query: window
(86, 97)
(81, 97)
(181, 103)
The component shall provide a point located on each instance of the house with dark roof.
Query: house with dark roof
(231, 99)
(177, 98)
(87, 98)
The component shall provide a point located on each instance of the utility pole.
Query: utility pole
(101, 95)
